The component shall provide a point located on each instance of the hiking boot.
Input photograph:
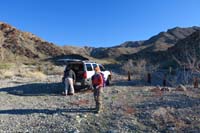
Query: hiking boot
(96, 112)
(64, 94)
(71, 94)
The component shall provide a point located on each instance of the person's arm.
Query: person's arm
(64, 75)
(65, 71)
(74, 76)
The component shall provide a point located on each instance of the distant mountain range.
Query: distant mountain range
(14, 42)
(188, 47)
(159, 42)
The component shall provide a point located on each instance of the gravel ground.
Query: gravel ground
(128, 107)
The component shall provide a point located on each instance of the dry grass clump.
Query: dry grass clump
(49, 69)
(6, 66)
(6, 70)
(6, 74)
(37, 75)
(137, 69)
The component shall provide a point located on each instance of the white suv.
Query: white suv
(84, 70)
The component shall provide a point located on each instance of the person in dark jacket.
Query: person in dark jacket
(69, 79)
(97, 83)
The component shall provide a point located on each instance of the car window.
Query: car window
(89, 67)
(94, 65)
(101, 68)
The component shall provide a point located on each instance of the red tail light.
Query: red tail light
(110, 76)
(84, 75)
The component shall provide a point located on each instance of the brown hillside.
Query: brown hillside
(159, 42)
(23, 44)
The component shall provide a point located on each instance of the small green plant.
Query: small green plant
(8, 77)
(5, 66)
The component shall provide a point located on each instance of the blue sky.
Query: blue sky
(98, 23)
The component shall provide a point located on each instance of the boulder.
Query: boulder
(165, 89)
(181, 88)
(156, 89)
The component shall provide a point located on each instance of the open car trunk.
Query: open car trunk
(78, 68)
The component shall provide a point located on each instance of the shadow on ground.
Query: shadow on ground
(38, 89)
(46, 111)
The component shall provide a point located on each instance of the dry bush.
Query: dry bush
(6, 70)
(34, 74)
(29, 72)
(49, 69)
(9, 70)
(128, 66)
(137, 69)
(6, 74)
(190, 64)
(140, 67)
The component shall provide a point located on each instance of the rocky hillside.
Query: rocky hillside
(24, 45)
(113, 52)
(17, 43)
(164, 40)
(187, 48)
(184, 49)
(133, 44)
(159, 42)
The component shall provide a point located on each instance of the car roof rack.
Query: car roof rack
(70, 60)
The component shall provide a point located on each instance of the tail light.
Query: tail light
(84, 75)
(110, 75)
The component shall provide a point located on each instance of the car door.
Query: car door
(103, 70)
(89, 70)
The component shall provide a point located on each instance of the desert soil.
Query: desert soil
(28, 106)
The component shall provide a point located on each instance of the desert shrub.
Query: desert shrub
(30, 63)
(33, 74)
(46, 68)
(128, 66)
(6, 74)
(138, 69)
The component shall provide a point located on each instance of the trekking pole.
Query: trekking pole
(149, 78)
(129, 76)
(164, 81)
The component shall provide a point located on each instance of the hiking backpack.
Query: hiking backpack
(104, 80)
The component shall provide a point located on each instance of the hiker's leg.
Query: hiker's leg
(71, 85)
(99, 99)
(95, 96)
(66, 85)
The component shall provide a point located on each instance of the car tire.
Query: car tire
(108, 80)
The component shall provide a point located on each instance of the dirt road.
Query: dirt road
(128, 107)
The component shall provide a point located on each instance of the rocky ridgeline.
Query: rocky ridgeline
(26, 44)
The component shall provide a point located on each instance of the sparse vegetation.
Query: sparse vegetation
(5, 66)
(138, 69)
(126, 108)
(30, 85)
